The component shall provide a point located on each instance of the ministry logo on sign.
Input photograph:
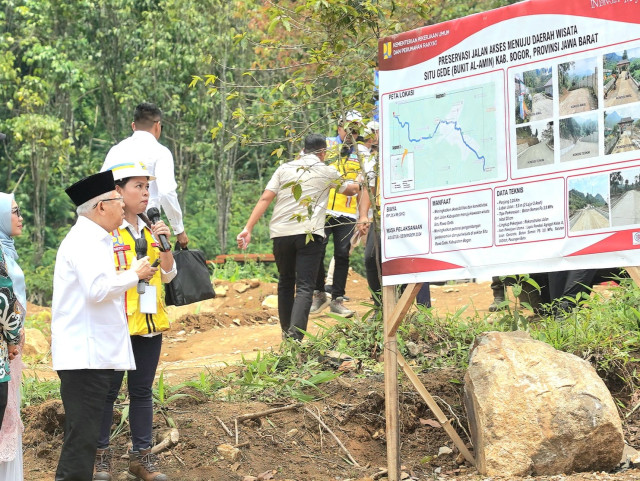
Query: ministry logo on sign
(387, 50)
(636, 238)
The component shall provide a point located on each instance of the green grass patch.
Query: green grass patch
(36, 391)
(234, 271)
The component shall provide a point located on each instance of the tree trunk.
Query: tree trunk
(40, 176)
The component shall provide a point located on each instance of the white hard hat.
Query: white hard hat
(352, 116)
(123, 170)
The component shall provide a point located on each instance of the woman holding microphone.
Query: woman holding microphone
(147, 318)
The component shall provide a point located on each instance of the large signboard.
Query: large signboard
(510, 142)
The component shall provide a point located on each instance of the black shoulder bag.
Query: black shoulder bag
(192, 284)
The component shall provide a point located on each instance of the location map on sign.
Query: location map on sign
(443, 139)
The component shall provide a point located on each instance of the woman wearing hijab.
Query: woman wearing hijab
(147, 318)
(13, 340)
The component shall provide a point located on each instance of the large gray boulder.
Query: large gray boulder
(535, 410)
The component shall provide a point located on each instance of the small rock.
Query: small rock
(292, 433)
(240, 287)
(220, 291)
(630, 455)
(349, 366)
(270, 302)
(225, 392)
(35, 343)
(253, 283)
(228, 452)
(444, 450)
(236, 321)
(413, 348)
(460, 459)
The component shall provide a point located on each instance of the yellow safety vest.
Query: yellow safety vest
(124, 252)
(349, 167)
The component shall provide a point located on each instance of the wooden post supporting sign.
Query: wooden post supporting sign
(393, 314)
(391, 402)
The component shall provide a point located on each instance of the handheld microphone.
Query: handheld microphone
(154, 216)
(141, 251)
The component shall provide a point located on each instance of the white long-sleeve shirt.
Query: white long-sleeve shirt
(88, 322)
(142, 146)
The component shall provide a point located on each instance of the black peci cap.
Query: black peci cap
(91, 187)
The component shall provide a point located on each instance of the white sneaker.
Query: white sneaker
(338, 308)
(320, 302)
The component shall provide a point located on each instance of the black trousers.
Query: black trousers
(572, 283)
(342, 230)
(4, 397)
(146, 352)
(298, 262)
(83, 393)
(372, 258)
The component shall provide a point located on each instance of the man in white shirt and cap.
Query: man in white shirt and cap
(89, 333)
(143, 146)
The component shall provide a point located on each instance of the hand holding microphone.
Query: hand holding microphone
(141, 253)
(141, 265)
(154, 216)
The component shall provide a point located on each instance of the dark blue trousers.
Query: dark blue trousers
(146, 352)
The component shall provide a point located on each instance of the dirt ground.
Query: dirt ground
(289, 445)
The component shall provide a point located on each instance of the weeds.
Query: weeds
(233, 271)
(35, 391)
(601, 331)
(513, 316)
(162, 398)
(293, 373)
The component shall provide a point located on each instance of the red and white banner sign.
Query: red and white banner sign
(510, 142)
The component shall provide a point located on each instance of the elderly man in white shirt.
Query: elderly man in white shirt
(143, 146)
(89, 333)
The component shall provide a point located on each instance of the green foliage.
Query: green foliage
(122, 425)
(602, 331)
(234, 271)
(35, 391)
(294, 373)
(163, 398)
(275, 376)
(511, 313)
(206, 384)
(40, 321)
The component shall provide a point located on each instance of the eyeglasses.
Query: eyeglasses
(106, 200)
(159, 122)
(16, 211)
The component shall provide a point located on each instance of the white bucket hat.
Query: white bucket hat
(123, 170)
